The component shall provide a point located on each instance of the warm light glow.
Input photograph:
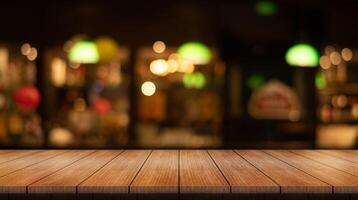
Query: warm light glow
(107, 49)
(84, 52)
(159, 67)
(58, 72)
(347, 54)
(335, 58)
(303, 55)
(325, 62)
(148, 88)
(196, 52)
(33, 54)
(25, 49)
(186, 66)
(159, 47)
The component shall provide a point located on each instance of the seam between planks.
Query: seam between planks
(97, 170)
(260, 171)
(332, 190)
(27, 187)
(34, 163)
(35, 152)
(140, 169)
(324, 164)
(219, 170)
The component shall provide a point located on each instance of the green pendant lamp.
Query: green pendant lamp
(84, 52)
(302, 55)
(196, 52)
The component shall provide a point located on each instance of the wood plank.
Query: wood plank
(159, 173)
(290, 179)
(117, 175)
(342, 182)
(199, 174)
(67, 179)
(12, 155)
(30, 159)
(346, 155)
(2, 151)
(241, 175)
(340, 164)
(18, 181)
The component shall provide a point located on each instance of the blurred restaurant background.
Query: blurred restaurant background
(179, 74)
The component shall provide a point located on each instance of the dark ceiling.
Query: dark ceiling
(138, 23)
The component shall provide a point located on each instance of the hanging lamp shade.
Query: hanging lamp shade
(196, 52)
(84, 52)
(302, 55)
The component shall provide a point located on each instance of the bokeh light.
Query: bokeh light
(320, 81)
(148, 88)
(266, 8)
(255, 81)
(58, 72)
(32, 55)
(347, 54)
(194, 80)
(84, 52)
(25, 49)
(335, 58)
(325, 62)
(159, 67)
(159, 47)
(196, 52)
(303, 55)
(107, 49)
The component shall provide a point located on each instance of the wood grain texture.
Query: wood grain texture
(25, 161)
(67, 179)
(342, 154)
(12, 155)
(337, 163)
(342, 182)
(117, 175)
(159, 173)
(290, 179)
(18, 181)
(241, 175)
(199, 174)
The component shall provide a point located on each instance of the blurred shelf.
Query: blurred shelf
(350, 89)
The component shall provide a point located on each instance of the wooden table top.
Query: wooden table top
(178, 171)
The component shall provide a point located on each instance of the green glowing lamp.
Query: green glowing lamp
(302, 55)
(84, 52)
(255, 81)
(196, 52)
(194, 80)
(266, 8)
(320, 81)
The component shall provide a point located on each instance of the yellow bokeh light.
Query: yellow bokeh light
(159, 47)
(325, 62)
(58, 72)
(148, 88)
(159, 67)
(335, 58)
(347, 54)
(32, 55)
(186, 67)
(25, 49)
